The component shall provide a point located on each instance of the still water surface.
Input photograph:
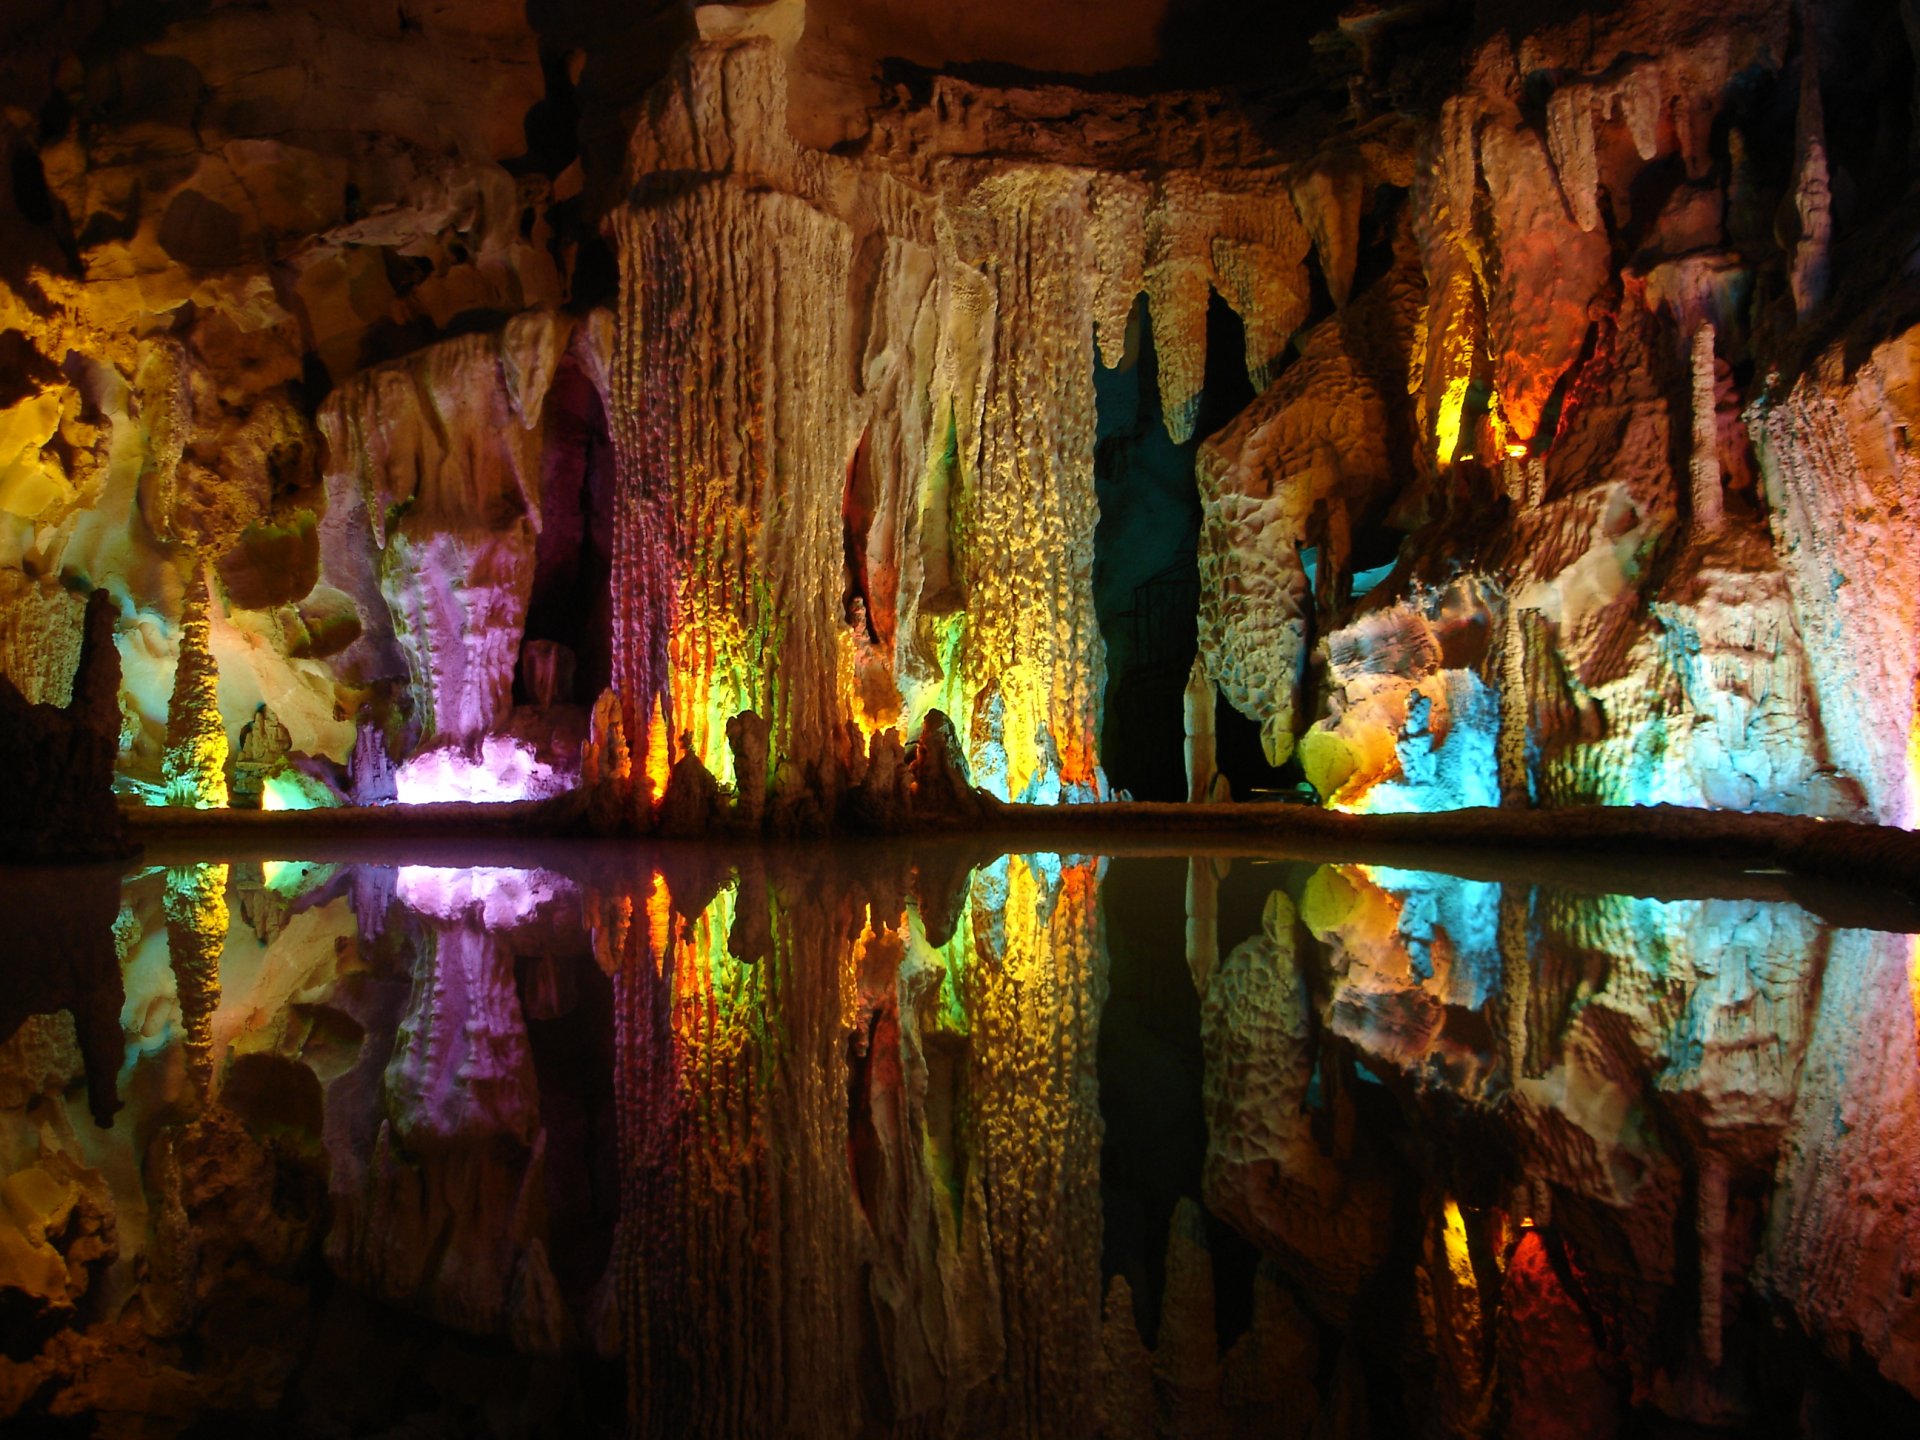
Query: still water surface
(917, 1139)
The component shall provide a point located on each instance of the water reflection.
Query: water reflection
(921, 1141)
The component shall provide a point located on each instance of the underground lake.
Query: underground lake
(922, 1137)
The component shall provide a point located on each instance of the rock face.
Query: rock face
(1566, 340)
(59, 800)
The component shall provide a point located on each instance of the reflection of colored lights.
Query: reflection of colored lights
(499, 897)
(659, 919)
(1516, 451)
(293, 877)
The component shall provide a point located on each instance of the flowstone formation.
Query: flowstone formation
(1528, 395)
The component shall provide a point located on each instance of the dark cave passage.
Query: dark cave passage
(1146, 580)
(573, 563)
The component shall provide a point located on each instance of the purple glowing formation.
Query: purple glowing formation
(505, 769)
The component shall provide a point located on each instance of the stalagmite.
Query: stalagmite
(195, 765)
(1204, 780)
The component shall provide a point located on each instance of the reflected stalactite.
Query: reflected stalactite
(859, 1170)
(197, 919)
(1284, 1165)
(737, 1252)
(1033, 989)
(808, 1143)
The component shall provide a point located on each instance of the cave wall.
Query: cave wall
(1575, 468)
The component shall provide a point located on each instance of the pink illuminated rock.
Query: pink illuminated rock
(497, 768)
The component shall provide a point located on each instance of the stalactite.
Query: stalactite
(1812, 187)
(441, 452)
(194, 768)
(1119, 221)
(1330, 197)
(1570, 139)
(1709, 501)
(1178, 282)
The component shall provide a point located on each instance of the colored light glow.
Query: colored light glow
(506, 769)
(659, 763)
(1913, 985)
(1516, 451)
(1443, 758)
(1453, 1230)
(1446, 425)
(294, 877)
(499, 897)
(659, 908)
(290, 790)
(1913, 761)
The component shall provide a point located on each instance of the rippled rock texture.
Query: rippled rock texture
(1500, 407)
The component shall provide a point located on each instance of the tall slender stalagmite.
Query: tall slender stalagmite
(194, 767)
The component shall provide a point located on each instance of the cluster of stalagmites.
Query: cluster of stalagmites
(890, 787)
